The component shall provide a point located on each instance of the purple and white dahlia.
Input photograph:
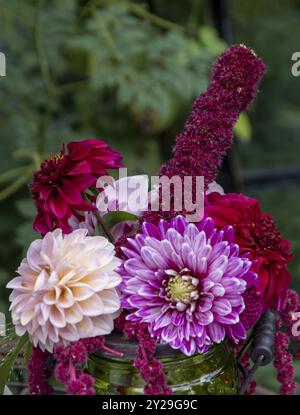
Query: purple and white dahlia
(187, 282)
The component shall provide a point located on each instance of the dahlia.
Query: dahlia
(128, 194)
(58, 186)
(256, 234)
(186, 282)
(65, 290)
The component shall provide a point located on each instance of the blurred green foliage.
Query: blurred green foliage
(127, 72)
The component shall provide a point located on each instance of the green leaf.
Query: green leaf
(28, 352)
(113, 218)
(8, 361)
(209, 37)
(243, 128)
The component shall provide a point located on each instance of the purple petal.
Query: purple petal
(222, 307)
(152, 259)
(217, 237)
(149, 229)
(207, 225)
(177, 318)
(175, 239)
(216, 332)
(229, 234)
(130, 253)
(163, 227)
(201, 264)
(188, 347)
(218, 290)
(219, 249)
(199, 242)
(147, 315)
(231, 284)
(237, 332)
(234, 250)
(163, 320)
(191, 232)
(207, 284)
(179, 223)
(215, 275)
(139, 302)
(168, 334)
(219, 264)
(235, 300)
(146, 291)
(232, 318)
(204, 318)
(132, 265)
(205, 303)
(234, 266)
(251, 278)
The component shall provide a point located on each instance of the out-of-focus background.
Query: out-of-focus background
(127, 72)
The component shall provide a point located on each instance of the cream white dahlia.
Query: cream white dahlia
(66, 289)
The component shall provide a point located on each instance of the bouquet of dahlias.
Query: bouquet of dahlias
(117, 257)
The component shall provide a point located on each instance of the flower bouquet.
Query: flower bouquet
(134, 291)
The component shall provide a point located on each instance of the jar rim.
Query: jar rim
(118, 342)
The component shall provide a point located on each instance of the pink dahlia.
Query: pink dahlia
(65, 289)
(58, 186)
(187, 282)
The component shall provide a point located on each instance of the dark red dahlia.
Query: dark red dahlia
(58, 186)
(255, 233)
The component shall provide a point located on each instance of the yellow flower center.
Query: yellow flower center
(182, 289)
(58, 157)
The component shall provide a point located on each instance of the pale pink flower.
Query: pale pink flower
(215, 187)
(66, 289)
(128, 194)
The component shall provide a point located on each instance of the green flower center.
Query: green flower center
(182, 289)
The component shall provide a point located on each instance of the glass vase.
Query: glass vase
(211, 373)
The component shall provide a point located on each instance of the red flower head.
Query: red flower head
(255, 233)
(58, 186)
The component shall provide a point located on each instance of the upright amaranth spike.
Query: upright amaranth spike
(208, 134)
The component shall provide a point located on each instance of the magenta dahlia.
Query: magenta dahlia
(256, 233)
(187, 282)
(58, 186)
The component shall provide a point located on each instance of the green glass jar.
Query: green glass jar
(211, 373)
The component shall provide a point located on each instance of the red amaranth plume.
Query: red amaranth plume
(39, 373)
(207, 134)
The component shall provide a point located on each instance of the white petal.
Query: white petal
(66, 298)
(26, 316)
(85, 328)
(81, 292)
(41, 281)
(111, 301)
(93, 306)
(57, 317)
(73, 314)
(103, 325)
(33, 255)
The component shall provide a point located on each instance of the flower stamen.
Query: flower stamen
(182, 290)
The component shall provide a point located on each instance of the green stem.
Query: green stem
(105, 228)
(12, 173)
(137, 9)
(16, 185)
(7, 363)
(142, 11)
(109, 40)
